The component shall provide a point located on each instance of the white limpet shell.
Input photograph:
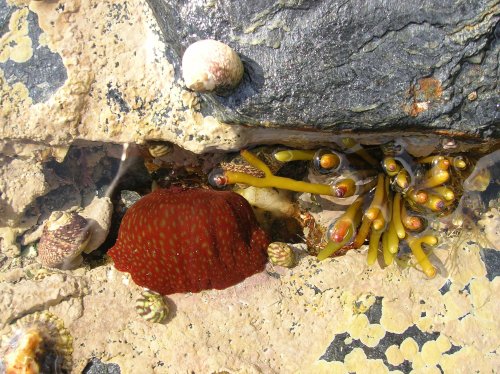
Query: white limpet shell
(209, 65)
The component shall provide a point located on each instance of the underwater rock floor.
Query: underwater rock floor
(336, 316)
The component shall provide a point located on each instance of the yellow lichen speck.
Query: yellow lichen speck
(394, 355)
(15, 44)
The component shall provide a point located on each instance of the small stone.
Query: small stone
(129, 198)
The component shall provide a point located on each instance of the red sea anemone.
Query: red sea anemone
(188, 240)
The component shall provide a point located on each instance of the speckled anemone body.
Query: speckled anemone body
(188, 240)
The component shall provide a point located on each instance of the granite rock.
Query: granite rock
(109, 74)
(357, 65)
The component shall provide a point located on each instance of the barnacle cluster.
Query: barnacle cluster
(391, 196)
(37, 343)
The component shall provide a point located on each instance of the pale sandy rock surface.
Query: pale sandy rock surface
(21, 182)
(20, 299)
(98, 214)
(282, 320)
(491, 225)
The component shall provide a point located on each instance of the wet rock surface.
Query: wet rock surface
(44, 72)
(95, 366)
(81, 77)
(350, 65)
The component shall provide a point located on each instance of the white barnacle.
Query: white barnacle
(209, 65)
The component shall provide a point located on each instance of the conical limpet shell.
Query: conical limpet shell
(37, 343)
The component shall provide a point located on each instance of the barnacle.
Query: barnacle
(37, 343)
(391, 201)
(210, 65)
(152, 306)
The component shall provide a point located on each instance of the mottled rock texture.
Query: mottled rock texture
(363, 65)
(103, 71)
(339, 316)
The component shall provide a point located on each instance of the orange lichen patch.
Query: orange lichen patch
(428, 89)
(422, 94)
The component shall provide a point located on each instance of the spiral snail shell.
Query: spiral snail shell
(152, 306)
(64, 237)
(281, 254)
